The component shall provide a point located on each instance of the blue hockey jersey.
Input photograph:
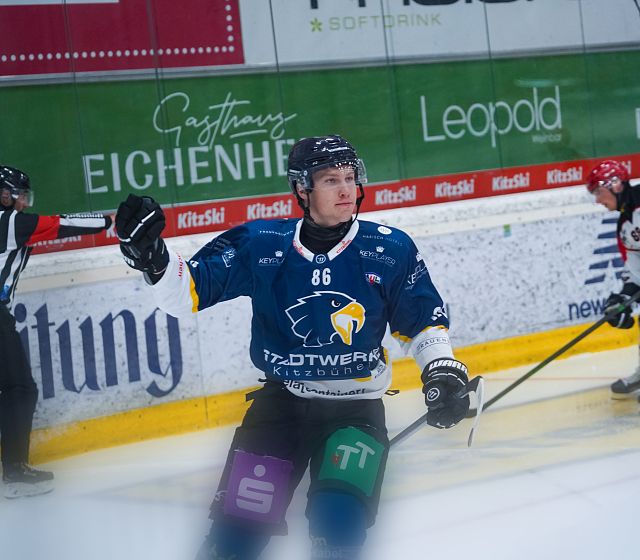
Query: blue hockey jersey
(318, 319)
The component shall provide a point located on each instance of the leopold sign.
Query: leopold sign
(536, 113)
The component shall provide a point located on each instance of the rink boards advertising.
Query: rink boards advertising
(204, 126)
(445, 100)
(122, 353)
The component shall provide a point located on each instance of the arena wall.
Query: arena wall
(520, 274)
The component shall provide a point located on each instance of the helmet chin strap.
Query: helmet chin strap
(359, 200)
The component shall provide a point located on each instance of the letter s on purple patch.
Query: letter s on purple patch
(258, 487)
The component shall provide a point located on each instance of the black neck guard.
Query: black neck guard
(627, 200)
(319, 239)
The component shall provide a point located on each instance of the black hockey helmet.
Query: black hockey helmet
(16, 183)
(319, 152)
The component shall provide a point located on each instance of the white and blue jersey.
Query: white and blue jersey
(318, 319)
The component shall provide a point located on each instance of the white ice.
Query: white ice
(554, 473)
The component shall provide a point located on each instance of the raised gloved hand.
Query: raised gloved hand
(445, 392)
(620, 319)
(139, 223)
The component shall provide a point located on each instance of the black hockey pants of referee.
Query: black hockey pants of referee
(18, 393)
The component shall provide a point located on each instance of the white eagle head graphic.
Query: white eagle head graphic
(322, 316)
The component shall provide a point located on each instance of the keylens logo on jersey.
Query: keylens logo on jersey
(279, 209)
(321, 317)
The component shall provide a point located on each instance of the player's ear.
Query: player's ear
(302, 193)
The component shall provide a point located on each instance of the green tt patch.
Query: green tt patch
(354, 457)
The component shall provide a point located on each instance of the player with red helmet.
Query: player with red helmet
(609, 183)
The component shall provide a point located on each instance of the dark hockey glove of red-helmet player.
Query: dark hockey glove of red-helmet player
(139, 223)
(620, 319)
(445, 392)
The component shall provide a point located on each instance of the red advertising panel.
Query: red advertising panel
(219, 215)
(56, 36)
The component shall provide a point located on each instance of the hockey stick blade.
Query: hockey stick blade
(478, 389)
(617, 309)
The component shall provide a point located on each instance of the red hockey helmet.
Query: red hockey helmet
(605, 175)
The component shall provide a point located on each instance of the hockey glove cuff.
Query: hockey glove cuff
(620, 319)
(445, 392)
(139, 223)
(153, 260)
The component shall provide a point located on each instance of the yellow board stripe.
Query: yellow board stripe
(195, 300)
(228, 408)
(132, 426)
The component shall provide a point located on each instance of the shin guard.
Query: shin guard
(337, 525)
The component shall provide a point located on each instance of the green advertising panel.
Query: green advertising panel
(614, 98)
(87, 145)
(489, 114)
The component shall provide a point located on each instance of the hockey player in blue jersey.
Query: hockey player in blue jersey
(324, 288)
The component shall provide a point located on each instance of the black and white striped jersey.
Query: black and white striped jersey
(19, 231)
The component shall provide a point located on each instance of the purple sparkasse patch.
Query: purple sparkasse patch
(258, 487)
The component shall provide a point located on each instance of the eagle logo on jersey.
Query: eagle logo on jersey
(321, 317)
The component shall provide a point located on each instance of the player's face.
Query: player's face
(21, 202)
(605, 197)
(5, 198)
(333, 198)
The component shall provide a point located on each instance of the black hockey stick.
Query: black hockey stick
(608, 313)
(476, 385)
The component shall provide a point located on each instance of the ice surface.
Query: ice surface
(554, 473)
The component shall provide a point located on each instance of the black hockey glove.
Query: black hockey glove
(445, 392)
(139, 223)
(620, 319)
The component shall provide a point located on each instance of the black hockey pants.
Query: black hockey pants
(18, 393)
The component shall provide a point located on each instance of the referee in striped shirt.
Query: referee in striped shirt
(19, 230)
